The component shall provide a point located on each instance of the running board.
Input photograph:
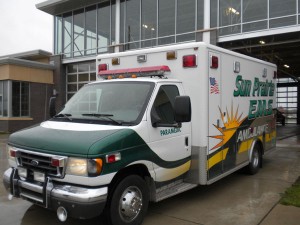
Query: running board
(173, 189)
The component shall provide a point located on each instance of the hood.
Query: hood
(61, 138)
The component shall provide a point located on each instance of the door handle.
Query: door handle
(186, 141)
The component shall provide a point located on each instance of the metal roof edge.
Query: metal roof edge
(26, 63)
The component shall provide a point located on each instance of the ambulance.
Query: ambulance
(156, 123)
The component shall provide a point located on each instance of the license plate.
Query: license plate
(38, 176)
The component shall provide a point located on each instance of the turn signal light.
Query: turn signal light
(13, 153)
(113, 158)
(57, 162)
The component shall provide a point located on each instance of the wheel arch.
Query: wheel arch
(135, 169)
(257, 142)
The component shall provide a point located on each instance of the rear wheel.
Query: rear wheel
(255, 161)
(129, 202)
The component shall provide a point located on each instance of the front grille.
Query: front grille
(39, 162)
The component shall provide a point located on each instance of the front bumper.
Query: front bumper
(80, 202)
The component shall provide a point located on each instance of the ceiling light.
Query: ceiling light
(262, 42)
(286, 66)
(232, 10)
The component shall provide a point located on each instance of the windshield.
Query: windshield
(114, 103)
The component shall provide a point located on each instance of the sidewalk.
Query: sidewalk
(288, 136)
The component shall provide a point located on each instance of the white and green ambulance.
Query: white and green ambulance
(157, 122)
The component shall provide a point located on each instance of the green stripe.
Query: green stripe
(91, 144)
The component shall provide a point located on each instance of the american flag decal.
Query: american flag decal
(214, 87)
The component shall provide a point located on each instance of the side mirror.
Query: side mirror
(52, 108)
(182, 107)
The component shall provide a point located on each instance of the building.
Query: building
(26, 83)
(266, 29)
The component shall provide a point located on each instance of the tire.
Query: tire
(129, 202)
(255, 161)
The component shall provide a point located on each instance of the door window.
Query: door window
(164, 103)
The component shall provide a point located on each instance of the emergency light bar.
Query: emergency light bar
(137, 72)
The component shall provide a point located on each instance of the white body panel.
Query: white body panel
(214, 106)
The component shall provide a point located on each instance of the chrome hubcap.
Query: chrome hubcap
(131, 203)
(255, 159)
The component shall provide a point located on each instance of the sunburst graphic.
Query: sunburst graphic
(230, 126)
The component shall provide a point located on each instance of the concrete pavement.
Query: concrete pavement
(281, 214)
(237, 199)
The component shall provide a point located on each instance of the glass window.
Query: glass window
(83, 67)
(91, 34)
(200, 14)
(282, 22)
(103, 26)
(132, 24)
(253, 13)
(58, 35)
(72, 78)
(247, 27)
(230, 12)
(20, 99)
(67, 32)
(280, 8)
(72, 68)
(166, 21)
(255, 10)
(185, 20)
(124, 102)
(230, 16)
(213, 13)
(78, 75)
(164, 103)
(113, 22)
(78, 33)
(149, 23)
(287, 100)
(3, 98)
(122, 21)
(93, 67)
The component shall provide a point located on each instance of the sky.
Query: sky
(24, 28)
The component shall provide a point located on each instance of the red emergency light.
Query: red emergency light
(139, 72)
(214, 62)
(189, 61)
(102, 67)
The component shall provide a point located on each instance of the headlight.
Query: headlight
(84, 167)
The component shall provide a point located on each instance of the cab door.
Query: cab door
(171, 144)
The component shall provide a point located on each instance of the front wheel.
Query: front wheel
(129, 202)
(255, 161)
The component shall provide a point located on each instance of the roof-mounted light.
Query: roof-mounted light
(102, 67)
(189, 61)
(138, 72)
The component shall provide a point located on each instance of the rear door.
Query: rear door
(215, 124)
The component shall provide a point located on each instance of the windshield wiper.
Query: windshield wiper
(60, 115)
(108, 116)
